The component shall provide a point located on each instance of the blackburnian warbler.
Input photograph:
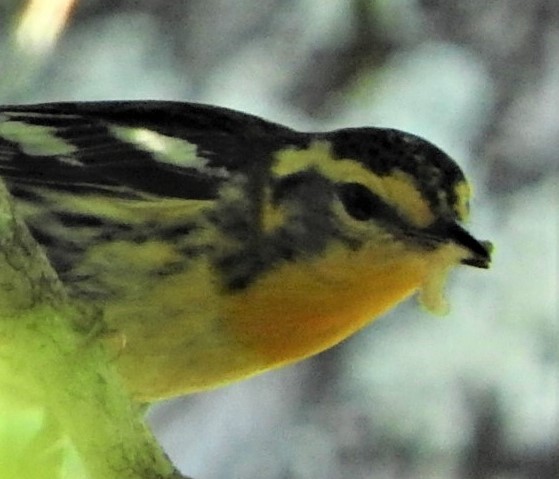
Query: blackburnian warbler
(218, 245)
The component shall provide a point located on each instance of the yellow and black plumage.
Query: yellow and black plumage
(218, 245)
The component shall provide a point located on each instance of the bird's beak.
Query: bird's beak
(480, 251)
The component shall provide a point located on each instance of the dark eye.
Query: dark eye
(359, 201)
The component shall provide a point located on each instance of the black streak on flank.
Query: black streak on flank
(239, 269)
(43, 238)
(25, 194)
(98, 229)
(76, 220)
(62, 254)
(175, 232)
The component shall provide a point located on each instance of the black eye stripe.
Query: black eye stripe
(286, 185)
(362, 204)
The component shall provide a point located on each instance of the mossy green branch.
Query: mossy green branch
(63, 410)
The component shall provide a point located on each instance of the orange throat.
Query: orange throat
(304, 308)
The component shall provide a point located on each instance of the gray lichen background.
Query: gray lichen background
(472, 395)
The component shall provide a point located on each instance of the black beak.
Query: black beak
(480, 250)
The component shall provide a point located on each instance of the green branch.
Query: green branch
(63, 410)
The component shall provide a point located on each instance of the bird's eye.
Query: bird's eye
(359, 202)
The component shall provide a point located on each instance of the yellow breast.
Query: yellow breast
(188, 335)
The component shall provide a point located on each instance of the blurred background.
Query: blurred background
(471, 395)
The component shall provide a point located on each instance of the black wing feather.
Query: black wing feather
(227, 140)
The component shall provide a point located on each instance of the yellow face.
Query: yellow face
(383, 240)
(420, 205)
(397, 189)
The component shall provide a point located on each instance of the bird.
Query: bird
(214, 245)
